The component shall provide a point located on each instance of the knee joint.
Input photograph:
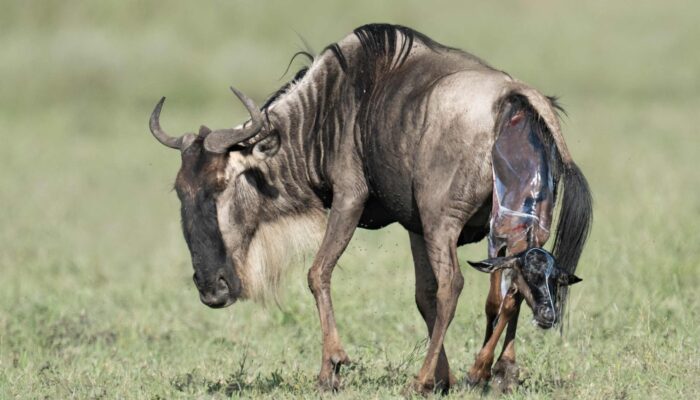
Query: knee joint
(315, 280)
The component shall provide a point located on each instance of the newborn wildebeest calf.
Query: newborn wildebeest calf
(389, 126)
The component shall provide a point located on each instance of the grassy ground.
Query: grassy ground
(96, 298)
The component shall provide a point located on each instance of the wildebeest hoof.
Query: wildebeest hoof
(338, 358)
(420, 387)
(477, 377)
(506, 376)
(330, 382)
(329, 378)
(443, 385)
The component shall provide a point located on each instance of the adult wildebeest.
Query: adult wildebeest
(388, 126)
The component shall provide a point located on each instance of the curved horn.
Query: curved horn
(159, 133)
(221, 140)
(256, 117)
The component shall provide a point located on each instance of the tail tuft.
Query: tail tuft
(574, 226)
(575, 219)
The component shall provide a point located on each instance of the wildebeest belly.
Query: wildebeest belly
(478, 225)
(416, 104)
(389, 152)
(391, 194)
(375, 215)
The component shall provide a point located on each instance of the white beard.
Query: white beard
(277, 246)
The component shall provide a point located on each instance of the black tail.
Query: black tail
(575, 218)
(574, 225)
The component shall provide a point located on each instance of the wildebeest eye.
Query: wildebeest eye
(255, 177)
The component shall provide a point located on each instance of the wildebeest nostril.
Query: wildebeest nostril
(217, 293)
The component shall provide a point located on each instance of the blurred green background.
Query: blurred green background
(96, 299)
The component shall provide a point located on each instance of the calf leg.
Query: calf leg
(426, 290)
(481, 370)
(441, 246)
(506, 370)
(493, 303)
(343, 218)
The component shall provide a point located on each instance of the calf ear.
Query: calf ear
(569, 279)
(267, 147)
(493, 264)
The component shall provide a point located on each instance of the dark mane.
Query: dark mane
(379, 44)
(297, 77)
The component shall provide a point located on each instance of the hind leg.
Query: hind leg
(426, 291)
(441, 245)
(450, 186)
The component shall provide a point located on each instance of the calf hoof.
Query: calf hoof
(506, 376)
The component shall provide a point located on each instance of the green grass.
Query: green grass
(96, 298)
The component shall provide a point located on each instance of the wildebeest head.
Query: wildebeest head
(229, 199)
(537, 277)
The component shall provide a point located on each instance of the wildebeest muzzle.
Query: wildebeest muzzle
(217, 290)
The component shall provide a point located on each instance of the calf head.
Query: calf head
(537, 277)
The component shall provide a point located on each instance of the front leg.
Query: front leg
(343, 219)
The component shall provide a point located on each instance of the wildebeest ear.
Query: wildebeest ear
(493, 264)
(569, 279)
(267, 147)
